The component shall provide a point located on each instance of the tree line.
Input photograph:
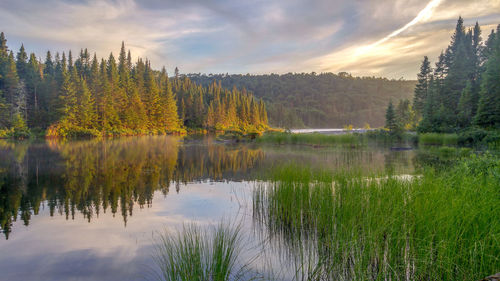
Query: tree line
(318, 100)
(85, 96)
(461, 93)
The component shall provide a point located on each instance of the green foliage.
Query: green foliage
(488, 114)
(422, 87)
(391, 121)
(438, 139)
(297, 100)
(87, 98)
(479, 137)
(311, 139)
(19, 128)
(199, 254)
(346, 227)
(463, 89)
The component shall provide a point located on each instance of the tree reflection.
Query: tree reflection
(93, 176)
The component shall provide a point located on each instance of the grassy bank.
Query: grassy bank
(311, 139)
(440, 226)
(438, 139)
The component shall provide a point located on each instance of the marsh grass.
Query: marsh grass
(439, 226)
(196, 253)
(318, 139)
(438, 139)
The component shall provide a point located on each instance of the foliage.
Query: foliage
(20, 130)
(89, 98)
(318, 100)
(463, 89)
(199, 254)
(356, 228)
(391, 122)
(438, 139)
(479, 137)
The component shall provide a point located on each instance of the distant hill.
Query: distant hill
(319, 100)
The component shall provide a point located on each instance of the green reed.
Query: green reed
(204, 254)
(437, 226)
(348, 139)
(438, 139)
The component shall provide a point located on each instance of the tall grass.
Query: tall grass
(438, 139)
(200, 254)
(311, 139)
(440, 226)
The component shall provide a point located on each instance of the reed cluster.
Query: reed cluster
(348, 139)
(441, 225)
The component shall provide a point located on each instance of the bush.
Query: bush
(438, 139)
(480, 137)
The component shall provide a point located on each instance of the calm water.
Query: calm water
(90, 210)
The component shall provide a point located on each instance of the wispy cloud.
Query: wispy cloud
(369, 37)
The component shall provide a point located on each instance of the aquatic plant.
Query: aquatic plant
(438, 139)
(438, 226)
(196, 253)
(349, 139)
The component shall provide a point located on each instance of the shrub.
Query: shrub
(438, 139)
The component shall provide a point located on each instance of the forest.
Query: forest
(66, 97)
(460, 94)
(323, 100)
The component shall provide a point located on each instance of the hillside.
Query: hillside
(318, 100)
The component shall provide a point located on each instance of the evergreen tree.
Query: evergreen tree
(86, 106)
(21, 62)
(123, 69)
(10, 80)
(68, 100)
(84, 96)
(488, 113)
(171, 119)
(33, 79)
(422, 87)
(391, 121)
(49, 65)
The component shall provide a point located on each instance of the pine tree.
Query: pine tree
(33, 79)
(391, 121)
(21, 62)
(68, 95)
(153, 99)
(86, 106)
(422, 87)
(488, 113)
(171, 117)
(123, 70)
(263, 113)
(10, 80)
(135, 116)
(49, 65)
(68, 100)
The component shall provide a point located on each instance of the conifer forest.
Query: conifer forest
(303, 140)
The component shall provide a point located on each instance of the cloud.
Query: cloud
(399, 53)
(256, 36)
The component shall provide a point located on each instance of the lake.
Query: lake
(92, 210)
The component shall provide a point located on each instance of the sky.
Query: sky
(363, 37)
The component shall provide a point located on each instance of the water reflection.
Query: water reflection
(95, 176)
(91, 177)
